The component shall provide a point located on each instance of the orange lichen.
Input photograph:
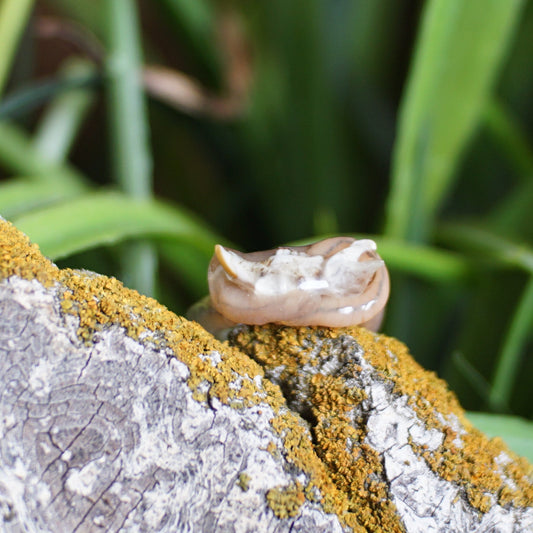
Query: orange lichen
(99, 301)
(19, 257)
(286, 501)
(361, 498)
(474, 463)
(344, 472)
(469, 459)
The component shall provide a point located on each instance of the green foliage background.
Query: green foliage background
(405, 121)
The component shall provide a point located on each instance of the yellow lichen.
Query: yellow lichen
(360, 499)
(343, 471)
(469, 459)
(474, 464)
(244, 481)
(286, 501)
(19, 257)
(99, 301)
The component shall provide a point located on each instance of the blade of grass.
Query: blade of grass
(30, 98)
(127, 116)
(487, 245)
(129, 130)
(484, 244)
(14, 15)
(18, 155)
(195, 21)
(18, 196)
(516, 432)
(105, 218)
(424, 262)
(62, 119)
(108, 218)
(515, 209)
(511, 138)
(475, 379)
(512, 351)
(452, 74)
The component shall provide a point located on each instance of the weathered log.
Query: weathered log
(116, 414)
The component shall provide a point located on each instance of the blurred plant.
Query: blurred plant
(275, 121)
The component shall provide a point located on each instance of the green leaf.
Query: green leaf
(14, 15)
(105, 218)
(62, 119)
(18, 154)
(425, 262)
(513, 350)
(130, 149)
(484, 244)
(516, 432)
(459, 51)
(21, 195)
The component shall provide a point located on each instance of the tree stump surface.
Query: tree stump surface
(117, 415)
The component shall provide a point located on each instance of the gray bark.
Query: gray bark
(107, 435)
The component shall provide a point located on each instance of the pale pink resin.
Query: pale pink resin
(335, 282)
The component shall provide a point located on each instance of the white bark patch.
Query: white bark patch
(118, 443)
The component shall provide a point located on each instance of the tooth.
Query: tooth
(225, 259)
(236, 266)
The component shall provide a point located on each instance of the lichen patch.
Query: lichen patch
(20, 257)
(316, 368)
(286, 501)
(236, 380)
(315, 377)
(98, 301)
(466, 456)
